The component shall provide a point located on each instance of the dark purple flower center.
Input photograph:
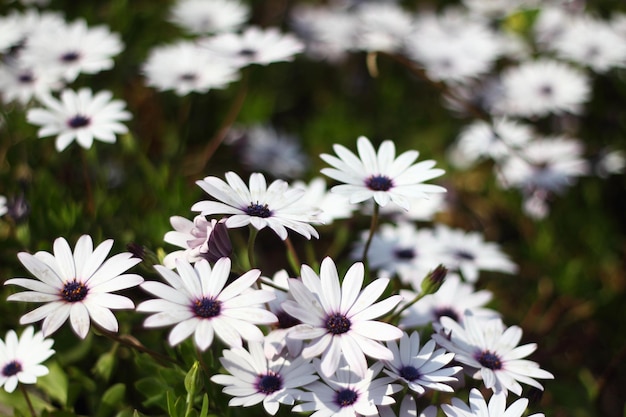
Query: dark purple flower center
(74, 291)
(12, 368)
(346, 397)
(546, 90)
(188, 77)
(285, 321)
(70, 56)
(410, 373)
(447, 312)
(207, 307)
(258, 210)
(489, 360)
(78, 121)
(379, 183)
(26, 78)
(407, 253)
(269, 383)
(247, 52)
(337, 323)
(464, 255)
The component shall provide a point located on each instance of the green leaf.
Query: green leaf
(175, 406)
(112, 399)
(55, 384)
(205, 406)
(105, 365)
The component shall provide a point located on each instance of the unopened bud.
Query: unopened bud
(434, 280)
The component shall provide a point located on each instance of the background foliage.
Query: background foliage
(569, 295)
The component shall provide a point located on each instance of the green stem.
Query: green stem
(28, 402)
(373, 227)
(130, 342)
(395, 316)
(251, 239)
(292, 256)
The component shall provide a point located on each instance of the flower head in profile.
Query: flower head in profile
(490, 352)
(478, 406)
(338, 320)
(346, 394)
(80, 116)
(199, 303)
(275, 206)
(380, 175)
(200, 239)
(421, 368)
(21, 358)
(76, 285)
(255, 379)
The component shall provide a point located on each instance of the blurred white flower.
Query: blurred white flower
(22, 84)
(72, 49)
(541, 87)
(333, 206)
(452, 46)
(209, 16)
(186, 67)
(80, 116)
(452, 299)
(381, 26)
(21, 358)
(254, 46)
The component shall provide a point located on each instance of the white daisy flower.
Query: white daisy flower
(541, 87)
(77, 285)
(408, 408)
(22, 84)
(333, 206)
(452, 47)
(254, 46)
(80, 116)
(396, 247)
(478, 406)
(276, 206)
(550, 164)
(212, 16)
(185, 67)
(338, 320)
(198, 301)
(468, 253)
(591, 42)
(329, 32)
(421, 368)
(381, 175)
(21, 358)
(382, 26)
(452, 299)
(255, 379)
(11, 33)
(73, 49)
(343, 393)
(491, 352)
(497, 140)
(200, 239)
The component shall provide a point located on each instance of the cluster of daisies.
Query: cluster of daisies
(323, 341)
(508, 64)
